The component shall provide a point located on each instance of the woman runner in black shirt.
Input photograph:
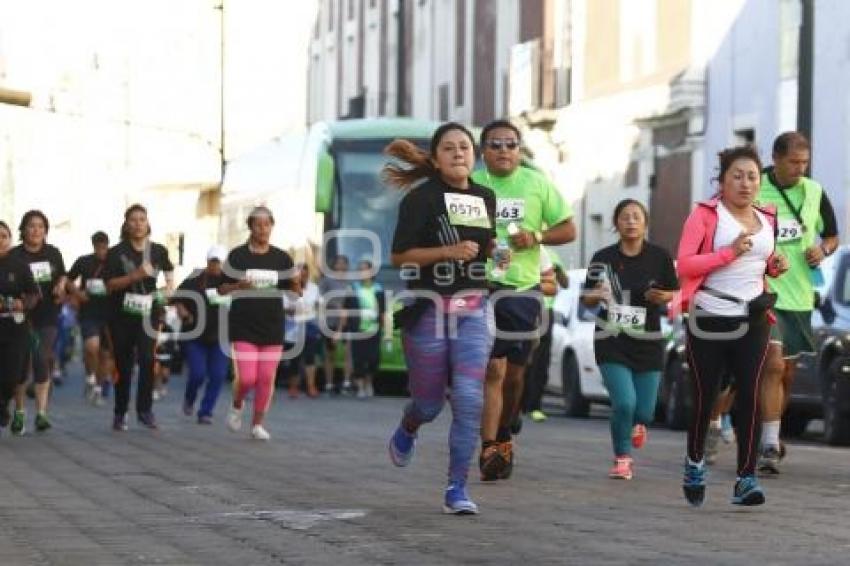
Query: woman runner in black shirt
(48, 270)
(18, 293)
(444, 235)
(257, 271)
(132, 268)
(634, 279)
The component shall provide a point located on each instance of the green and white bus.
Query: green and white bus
(326, 181)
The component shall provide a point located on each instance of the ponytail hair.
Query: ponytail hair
(414, 164)
(410, 166)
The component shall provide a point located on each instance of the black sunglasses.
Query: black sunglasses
(502, 144)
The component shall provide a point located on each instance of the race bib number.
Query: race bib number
(467, 210)
(137, 305)
(96, 287)
(262, 278)
(510, 209)
(41, 271)
(215, 299)
(789, 230)
(624, 316)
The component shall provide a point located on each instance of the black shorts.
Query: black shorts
(90, 327)
(516, 313)
(365, 356)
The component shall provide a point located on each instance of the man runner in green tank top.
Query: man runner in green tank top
(807, 233)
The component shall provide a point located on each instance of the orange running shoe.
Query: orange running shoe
(638, 435)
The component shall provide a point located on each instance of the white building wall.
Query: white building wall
(371, 58)
(744, 86)
(422, 78)
(831, 120)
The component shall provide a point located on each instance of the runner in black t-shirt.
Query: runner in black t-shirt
(132, 269)
(257, 271)
(18, 293)
(444, 234)
(93, 315)
(48, 270)
(205, 354)
(633, 279)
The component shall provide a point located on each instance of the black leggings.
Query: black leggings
(130, 343)
(537, 374)
(43, 354)
(710, 358)
(13, 356)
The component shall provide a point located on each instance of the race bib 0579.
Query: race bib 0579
(467, 210)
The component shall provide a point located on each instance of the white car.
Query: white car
(573, 372)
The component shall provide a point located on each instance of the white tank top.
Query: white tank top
(744, 277)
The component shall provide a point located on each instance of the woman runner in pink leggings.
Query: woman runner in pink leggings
(255, 273)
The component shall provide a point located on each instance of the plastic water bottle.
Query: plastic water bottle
(501, 259)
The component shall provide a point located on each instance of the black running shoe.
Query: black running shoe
(507, 450)
(42, 423)
(491, 462)
(693, 484)
(148, 420)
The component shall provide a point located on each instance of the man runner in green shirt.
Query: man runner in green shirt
(529, 212)
(804, 215)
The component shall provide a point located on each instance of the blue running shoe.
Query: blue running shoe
(694, 482)
(747, 492)
(457, 502)
(401, 448)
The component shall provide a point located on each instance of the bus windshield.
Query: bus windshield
(365, 203)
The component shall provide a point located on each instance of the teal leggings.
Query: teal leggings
(633, 395)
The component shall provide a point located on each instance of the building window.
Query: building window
(350, 9)
(331, 14)
(745, 136)
(460, 51)
(444, 102)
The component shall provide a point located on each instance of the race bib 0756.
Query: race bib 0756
(467, 210)
(628, 317)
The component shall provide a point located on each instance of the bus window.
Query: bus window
(365, 204)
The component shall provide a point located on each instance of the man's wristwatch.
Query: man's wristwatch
(538, 236)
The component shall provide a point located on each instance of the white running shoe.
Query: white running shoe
(259, 433)
(234, 419)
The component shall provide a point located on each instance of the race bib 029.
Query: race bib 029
(467, 210)
(789, 230)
